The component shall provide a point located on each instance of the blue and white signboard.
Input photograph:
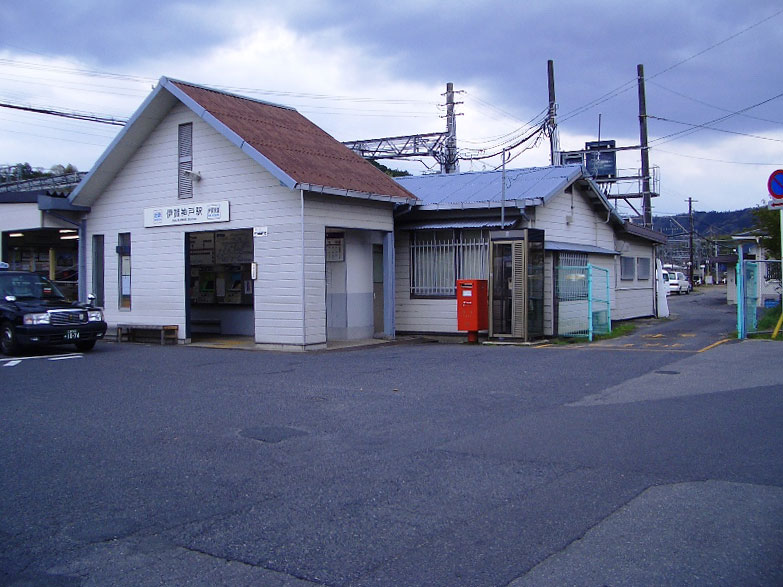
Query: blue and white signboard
(190, 213)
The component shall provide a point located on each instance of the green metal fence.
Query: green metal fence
(758, 292)
(583, 301)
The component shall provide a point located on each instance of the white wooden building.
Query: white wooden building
(445, 236)
(215, 212)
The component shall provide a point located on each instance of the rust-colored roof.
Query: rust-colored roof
(299, 148)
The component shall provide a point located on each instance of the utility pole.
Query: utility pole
(554, 140)
(646, 199)
(690, 238)
(503, 193)
(450, 165)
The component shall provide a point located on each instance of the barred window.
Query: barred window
(440, 257)
(572, 276)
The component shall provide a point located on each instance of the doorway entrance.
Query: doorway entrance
(219, 283)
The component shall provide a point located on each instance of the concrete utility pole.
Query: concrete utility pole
(450, 165)
(690, 238)
(646, 198)
(554, 140)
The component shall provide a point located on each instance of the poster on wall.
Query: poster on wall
(202, 248)
(335, 247)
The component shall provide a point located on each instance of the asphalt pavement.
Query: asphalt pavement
(648, 459)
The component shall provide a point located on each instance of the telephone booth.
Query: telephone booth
(516, 284)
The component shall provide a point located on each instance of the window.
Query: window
(572, 276)
(440, 257)
(124, 269)
(185, 160)
(572, 259)
(627, 266)
(643, 268)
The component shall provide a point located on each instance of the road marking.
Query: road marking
(714, 344)
(16, 361)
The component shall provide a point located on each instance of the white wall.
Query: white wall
(633, 298)
(20, 216)
(157, 259)
(363, 221)
(290, 258)
(567, 217)
(420, 314)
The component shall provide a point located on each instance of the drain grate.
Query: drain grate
(271, 434)
(668, 372)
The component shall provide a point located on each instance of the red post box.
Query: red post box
(472, 306)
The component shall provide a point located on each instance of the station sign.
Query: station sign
(187, 213)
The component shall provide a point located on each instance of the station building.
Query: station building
(222, 214)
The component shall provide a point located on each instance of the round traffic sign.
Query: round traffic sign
(775, 184)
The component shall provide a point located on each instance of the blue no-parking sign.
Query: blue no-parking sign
(775, 184)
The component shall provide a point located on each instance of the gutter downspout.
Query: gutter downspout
(304, 288)
(82, 283)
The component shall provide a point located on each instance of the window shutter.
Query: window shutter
(185, 160)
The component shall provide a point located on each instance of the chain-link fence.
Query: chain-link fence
(582, 301)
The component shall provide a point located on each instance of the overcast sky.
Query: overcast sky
(366, 69)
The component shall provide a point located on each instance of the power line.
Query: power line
(707, 125)
(621, 89)
(718, 160)
(702, 102)
(73, 115)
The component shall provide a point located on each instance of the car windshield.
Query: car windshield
(28, 286)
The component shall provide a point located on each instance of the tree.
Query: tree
(768, 222)
(389, 171)
(61, 169)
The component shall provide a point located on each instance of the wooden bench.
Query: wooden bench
(166, 333)
(205, 326)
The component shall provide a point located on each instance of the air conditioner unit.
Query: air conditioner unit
(571, 158)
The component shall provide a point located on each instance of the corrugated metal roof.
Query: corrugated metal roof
(455, 190)
(463, 223)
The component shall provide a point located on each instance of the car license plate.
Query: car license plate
(71, 335)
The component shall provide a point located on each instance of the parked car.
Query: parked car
(34, 312)
(678, 283)
(666, 276)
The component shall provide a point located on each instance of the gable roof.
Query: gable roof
(524, 187)
(293, 149)
(532, 186)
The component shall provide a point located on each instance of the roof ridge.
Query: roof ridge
(230, 94)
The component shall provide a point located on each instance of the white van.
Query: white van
(666, 287)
